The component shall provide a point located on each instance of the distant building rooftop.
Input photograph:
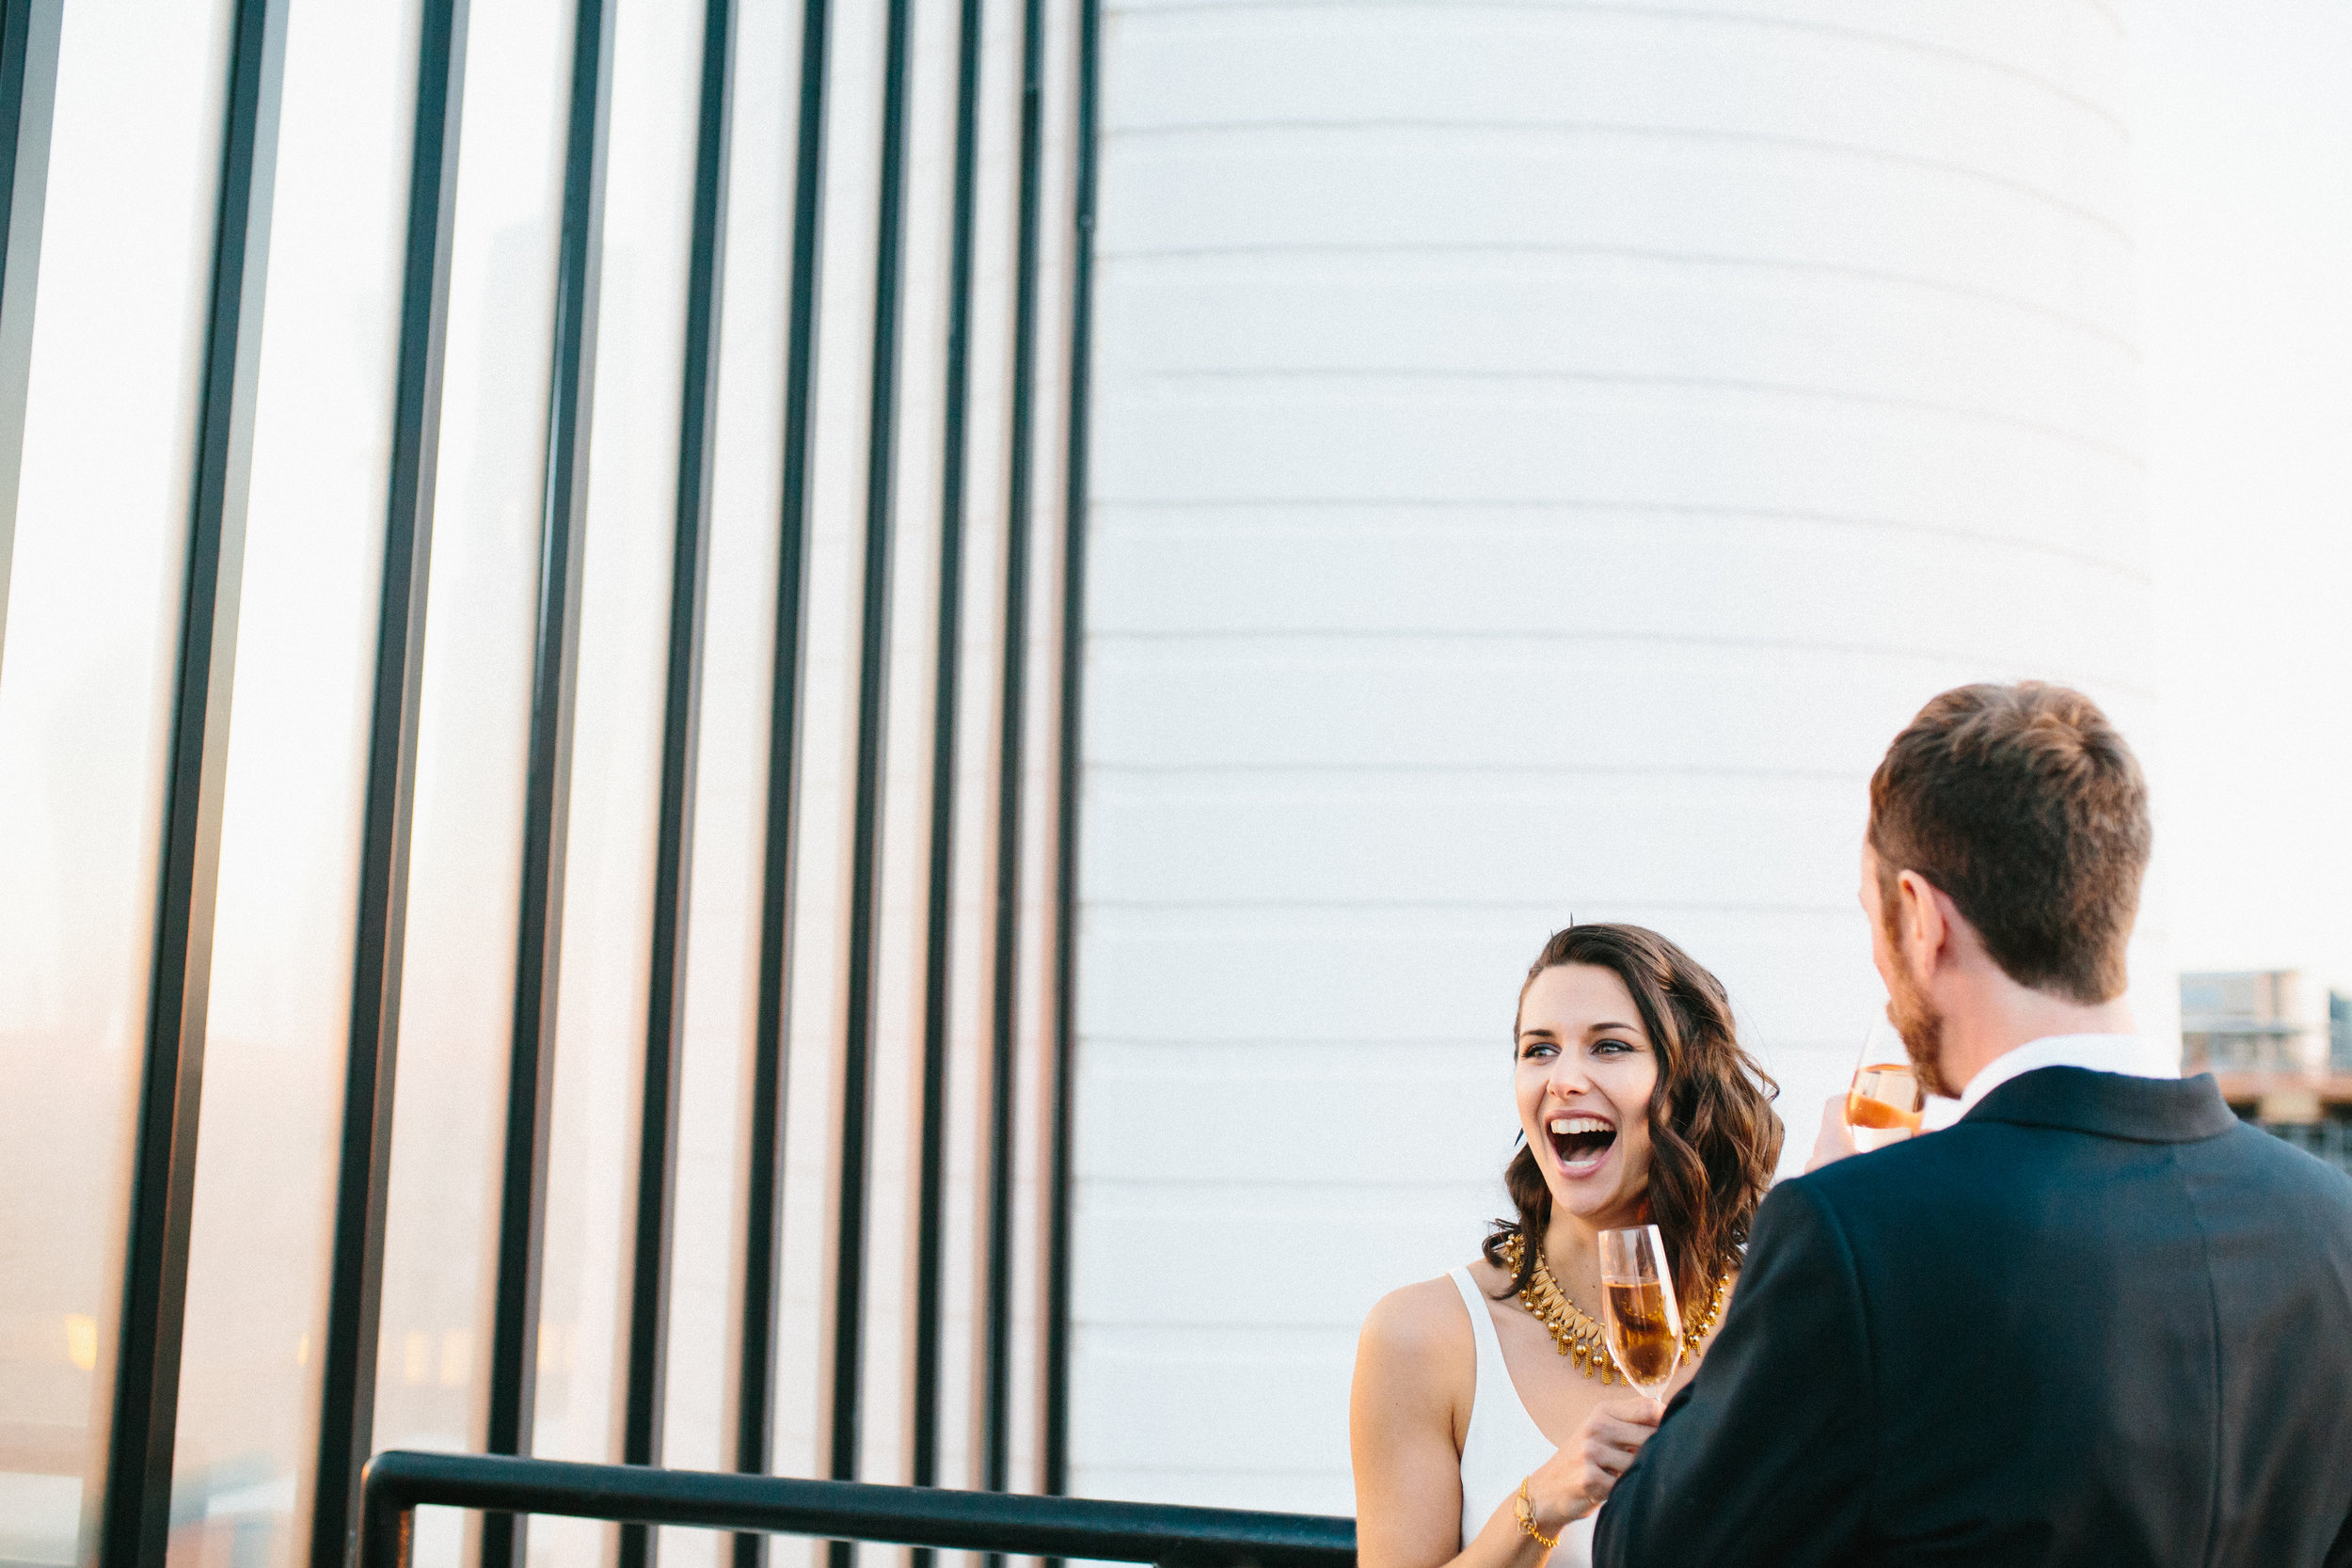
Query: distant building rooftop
(2251, 1020)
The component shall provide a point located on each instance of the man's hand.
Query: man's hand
(1836, 1139)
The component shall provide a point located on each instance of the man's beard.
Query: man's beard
(1921, 1026)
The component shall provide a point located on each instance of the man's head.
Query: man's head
(2009, 827)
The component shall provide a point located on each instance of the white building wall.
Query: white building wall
(1544, 452)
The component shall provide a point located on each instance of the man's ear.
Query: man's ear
(1927, 931)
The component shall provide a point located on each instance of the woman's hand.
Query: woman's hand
(1579, 1478)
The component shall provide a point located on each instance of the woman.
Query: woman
(1487, 1423)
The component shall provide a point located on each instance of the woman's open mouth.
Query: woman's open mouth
(1581, 1143)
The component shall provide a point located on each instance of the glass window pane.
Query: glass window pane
(281, 954)
(84, 693)
(458, 987)
(722, 972)
(617, 748)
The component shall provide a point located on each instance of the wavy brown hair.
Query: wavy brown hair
(1714, 1137)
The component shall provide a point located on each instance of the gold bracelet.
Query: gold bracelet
(1527, 1520)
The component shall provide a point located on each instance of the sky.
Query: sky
(2243, 137)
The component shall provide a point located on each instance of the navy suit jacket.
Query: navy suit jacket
(2099, 1321)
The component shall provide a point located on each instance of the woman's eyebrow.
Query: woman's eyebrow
(1612, 1029)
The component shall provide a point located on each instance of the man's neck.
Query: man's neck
(2004, 1015)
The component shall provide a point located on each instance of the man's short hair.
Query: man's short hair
(2025, 807)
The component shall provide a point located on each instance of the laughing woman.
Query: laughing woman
(1483, 1432)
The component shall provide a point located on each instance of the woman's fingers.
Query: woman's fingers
(1609, 1453)
(1641, 1412)
(1626, 1426)
(1613, 1435)
(1610, 1438)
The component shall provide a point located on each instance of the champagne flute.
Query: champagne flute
(1640, 1317)
(1882, 1106)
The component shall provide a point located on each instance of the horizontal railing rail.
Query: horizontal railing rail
(397, 1484)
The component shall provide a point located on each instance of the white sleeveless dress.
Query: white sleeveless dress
(1503, 1444)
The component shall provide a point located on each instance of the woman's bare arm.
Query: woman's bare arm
(1415, 1369)
(1410, 1364)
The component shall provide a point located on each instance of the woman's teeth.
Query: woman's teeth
(1580, 1142)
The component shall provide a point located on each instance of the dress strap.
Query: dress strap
(1492, 1374)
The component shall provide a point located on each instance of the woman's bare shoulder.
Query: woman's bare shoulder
(1416, 1347)
(1423, 1319)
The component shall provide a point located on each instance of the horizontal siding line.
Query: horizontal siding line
(1325, 502)
(1108, 506)
(1549, 640)
(1276, 1042)
(1551, 915)
(1870, 651)
(1464, 1214)
(1582, 381)
(1645, 255)
(1566, 129)
(1452, 11)
(1455, 1063)
(1842, 908)
(1341, 1332)
(1299, 1191)
(1439, 1201)
(1266, 1042)
(1477, 1066)
(1178, 1181)
(1162, 1467)
(1451, 770)
(1462, 1070)
(1461, 1056)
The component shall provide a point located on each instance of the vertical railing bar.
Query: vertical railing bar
(1012, 714)
(134, 1513)
(763, 1241)
(665, 1024)
(1053, 1445)
(355, 1260)
(932, 1133)
(855, 1135)
(547, 808)
(28, 100)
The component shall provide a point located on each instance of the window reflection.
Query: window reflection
(85, 685)
(288, 891)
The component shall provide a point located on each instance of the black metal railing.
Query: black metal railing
(398, 1483)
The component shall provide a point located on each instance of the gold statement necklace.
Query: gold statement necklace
(1574, 1334)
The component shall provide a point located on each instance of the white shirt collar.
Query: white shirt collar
(2133, 1055)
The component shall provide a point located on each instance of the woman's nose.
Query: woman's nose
(1568, 1079)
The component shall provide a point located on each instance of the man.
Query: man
(2097, 1321)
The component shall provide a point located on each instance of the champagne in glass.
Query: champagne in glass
(1884, 1104)
(1640, 1316)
